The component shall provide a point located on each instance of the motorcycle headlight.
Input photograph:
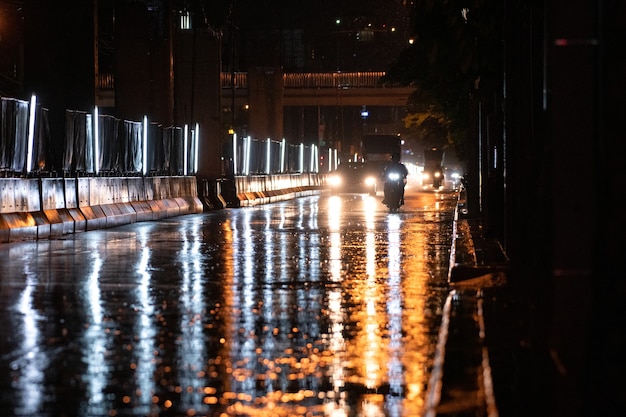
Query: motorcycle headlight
(394, 176)
(437, 174)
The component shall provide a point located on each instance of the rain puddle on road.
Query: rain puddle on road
(311, 307)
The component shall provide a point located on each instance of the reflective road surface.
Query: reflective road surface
(318, 306)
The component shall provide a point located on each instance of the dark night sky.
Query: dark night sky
(322, 34)
(290, 14)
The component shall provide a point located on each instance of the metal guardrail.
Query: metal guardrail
(115, 147)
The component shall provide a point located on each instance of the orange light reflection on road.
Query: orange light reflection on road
(391, 289)
(275, 368)
(336, 342)
(380, 270)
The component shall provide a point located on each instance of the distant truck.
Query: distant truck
(433, 170)
(377, 151)
(380, 147)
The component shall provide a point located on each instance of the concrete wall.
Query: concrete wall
(41, 208)
(252, 190)
(262, 189)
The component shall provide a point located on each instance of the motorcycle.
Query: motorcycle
(393, 191)
(437, 178)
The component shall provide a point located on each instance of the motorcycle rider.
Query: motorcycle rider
(398, 167)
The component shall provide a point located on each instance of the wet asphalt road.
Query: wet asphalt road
(319, 306)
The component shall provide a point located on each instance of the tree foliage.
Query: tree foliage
(455, 49)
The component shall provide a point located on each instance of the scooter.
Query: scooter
(394, 185)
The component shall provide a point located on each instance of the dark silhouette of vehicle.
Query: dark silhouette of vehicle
(355, 177)
(432, 175)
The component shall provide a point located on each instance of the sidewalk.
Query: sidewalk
(462, 382)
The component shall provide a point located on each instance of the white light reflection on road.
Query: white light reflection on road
(313, 212)
(370, 339)
(95, 341)
(30, 366)
(334, 221)
(272, 304)
(192, 355)
(145, 332)
(335, 406)
(243, 354)
(394, 316)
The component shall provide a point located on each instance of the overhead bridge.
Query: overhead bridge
(322, 89)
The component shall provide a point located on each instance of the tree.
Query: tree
(426, 122)
(455, 52)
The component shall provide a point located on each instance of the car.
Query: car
(355, 177)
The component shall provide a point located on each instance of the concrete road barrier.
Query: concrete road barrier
(41, 208)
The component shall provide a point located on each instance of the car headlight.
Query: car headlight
(425, 175)
(370, 181)
(334, 180)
